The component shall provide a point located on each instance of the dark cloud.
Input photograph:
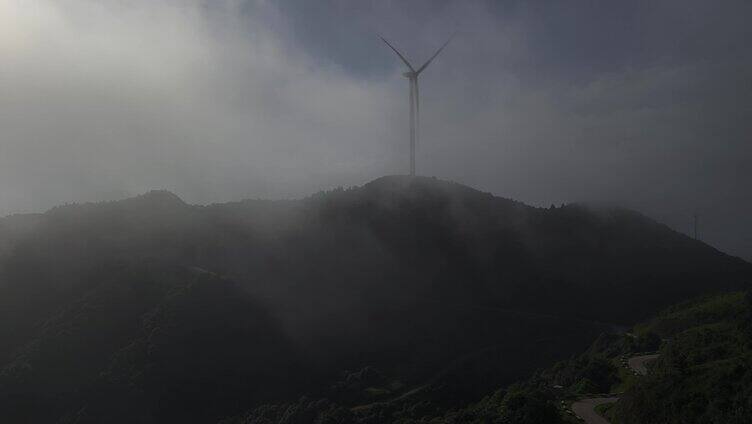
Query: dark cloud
(641, 103)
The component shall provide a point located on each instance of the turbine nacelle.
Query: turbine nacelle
(410, 74)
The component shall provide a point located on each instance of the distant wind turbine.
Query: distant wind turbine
(412, 76)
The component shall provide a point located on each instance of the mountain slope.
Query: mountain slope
(150, 345)
(704, 373)
(426, 280)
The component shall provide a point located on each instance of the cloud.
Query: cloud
(102, 96)
(645, 105)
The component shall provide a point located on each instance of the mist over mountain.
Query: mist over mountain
(640, 103)
(170, 312)
(594, 164)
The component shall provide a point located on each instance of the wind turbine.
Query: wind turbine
(412, 76)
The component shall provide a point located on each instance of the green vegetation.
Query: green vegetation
(152, 344)
(709, 310)
(704, 374)
(517, 405)
(603, 409)
(432, 295)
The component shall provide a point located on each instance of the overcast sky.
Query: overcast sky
(641, 103)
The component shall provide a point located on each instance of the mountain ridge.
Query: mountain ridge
(422, 279)
(389, 184)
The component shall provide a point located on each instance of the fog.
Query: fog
(642, 104)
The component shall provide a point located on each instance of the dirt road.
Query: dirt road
(585, 409)
(638, 363)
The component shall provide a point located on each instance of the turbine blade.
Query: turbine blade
(398, 54)
(434, 55)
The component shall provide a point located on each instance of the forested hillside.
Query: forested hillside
(404, 288)
(704, 374)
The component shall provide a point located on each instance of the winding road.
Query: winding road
(585, 408)
(638, 363)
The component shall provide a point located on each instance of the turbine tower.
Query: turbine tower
(412, 76)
